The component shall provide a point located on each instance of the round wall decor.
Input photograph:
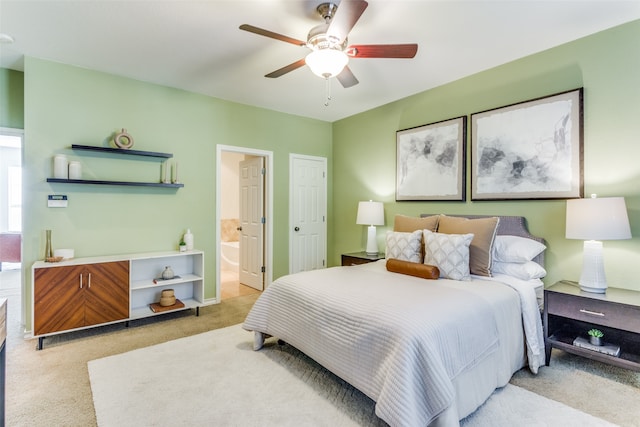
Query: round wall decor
(123, 139)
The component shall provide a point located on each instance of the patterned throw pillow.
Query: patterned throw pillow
(404, 246)
(484, 232)
(448, 252)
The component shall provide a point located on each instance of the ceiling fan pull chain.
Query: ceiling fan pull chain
(327, 91)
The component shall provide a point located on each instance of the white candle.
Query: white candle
(60, 165)
(75, 170)
(175, 178)
(166, 172)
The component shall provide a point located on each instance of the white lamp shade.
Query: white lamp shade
(597, 219)
(370, 213)
(327, 62)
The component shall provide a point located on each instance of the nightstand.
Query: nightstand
(355, 258)
(569, 313)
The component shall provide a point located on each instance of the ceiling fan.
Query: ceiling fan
(330, 51)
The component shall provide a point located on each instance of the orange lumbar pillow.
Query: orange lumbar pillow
(413, 269)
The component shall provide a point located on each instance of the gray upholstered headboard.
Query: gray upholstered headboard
(509, 225)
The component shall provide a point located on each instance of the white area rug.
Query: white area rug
(215, 378)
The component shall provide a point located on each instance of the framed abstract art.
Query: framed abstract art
(430, 161)
(529, 150)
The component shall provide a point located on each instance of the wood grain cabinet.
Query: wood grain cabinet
(86, 292)
(78, 296)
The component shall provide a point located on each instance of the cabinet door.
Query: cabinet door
(58, 299)
(106, 292)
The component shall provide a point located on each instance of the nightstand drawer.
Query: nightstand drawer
(619, 316)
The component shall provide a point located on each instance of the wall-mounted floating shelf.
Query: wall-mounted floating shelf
(121, 151)
(125, 183)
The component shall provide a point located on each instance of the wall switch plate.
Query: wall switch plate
(57, 201)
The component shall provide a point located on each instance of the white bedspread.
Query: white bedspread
(401, 340)
(530, 318)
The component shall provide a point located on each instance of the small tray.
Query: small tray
(157, 308)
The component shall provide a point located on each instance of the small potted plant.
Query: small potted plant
(183, 246)
(595, 336)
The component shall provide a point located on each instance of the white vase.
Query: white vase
(60, 164)
(75, 170)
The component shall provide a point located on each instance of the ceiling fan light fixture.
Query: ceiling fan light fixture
(327, 63)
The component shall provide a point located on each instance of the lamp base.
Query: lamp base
(593, 278)
(372, 244)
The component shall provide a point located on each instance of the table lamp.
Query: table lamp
(371, 213)
(593, 220)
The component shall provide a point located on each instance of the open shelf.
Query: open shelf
(141, 312)
(184, 278)
(562, 331)
(125, 183)
(121, 151)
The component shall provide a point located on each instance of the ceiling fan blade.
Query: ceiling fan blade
(346, 17)
(346, 78)
(382, 50)
(284, 70)
(267, 33)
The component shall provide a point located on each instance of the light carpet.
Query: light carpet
(215, 378)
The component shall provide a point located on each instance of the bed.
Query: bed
(428, 352)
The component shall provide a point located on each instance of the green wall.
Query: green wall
(606, 64)
(11, 99)
(68, 105)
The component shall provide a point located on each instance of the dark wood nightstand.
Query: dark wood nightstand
(569, 313)
(355, 258)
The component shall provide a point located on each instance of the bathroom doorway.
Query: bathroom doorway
(243, 246)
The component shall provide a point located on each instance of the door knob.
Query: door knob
(239, 228)
(297, 229)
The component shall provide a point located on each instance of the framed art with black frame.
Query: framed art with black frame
(529, 150)
(431, 160)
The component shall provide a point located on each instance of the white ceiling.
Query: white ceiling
(197, 46)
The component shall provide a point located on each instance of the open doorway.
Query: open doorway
(243, 232)
(11, 221)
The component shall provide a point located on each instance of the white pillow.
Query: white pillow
(448, 252)
(523, 271)
(404, 246)
(516, 249)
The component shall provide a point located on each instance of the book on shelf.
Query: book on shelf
(606, 348)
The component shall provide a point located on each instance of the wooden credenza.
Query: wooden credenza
(80, 296)
(86, 292)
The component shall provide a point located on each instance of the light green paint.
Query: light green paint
(69, 105)
(606, 64)
(66, 105)
(11, 99)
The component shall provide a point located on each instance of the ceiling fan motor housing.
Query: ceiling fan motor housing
(327, 10)
(319, 39)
